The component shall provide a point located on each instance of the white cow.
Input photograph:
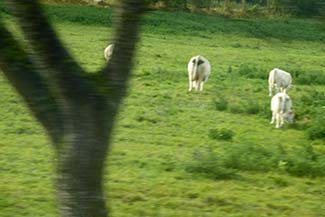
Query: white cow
(281, 107)
(108, 51)
(199, 70)
(279, 79)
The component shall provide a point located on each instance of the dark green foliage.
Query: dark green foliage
(252, 157)
(313, 98)
(252, 107)
(209, 164)
(237, 108)
(161, 22)
(304, 7)
(221, 134)
(305, 162)
(201, 3)
(317, 128)
(221, 104)
(180, 4)
(252, 71)
(308, 77)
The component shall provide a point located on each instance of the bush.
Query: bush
(305, 162)
(221, 104)
(209, 164)
(237, 108)
(252, 71)
(314, 98)
(304, 7)
(251, 157)
(252, 107)
(317, 129)
(301, 162)
(221, 134)
(308, 78)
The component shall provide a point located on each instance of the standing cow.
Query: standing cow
(281, 107)
(199, 70)
(279, 79)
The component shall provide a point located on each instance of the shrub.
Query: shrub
(209, 164)
(305, 162)
(252, 157)
(221, 104)
(252, 71)
(237, 108)
(317, 129)
(307, 78)
(225, 164)
(314, 98)
(252, 107)
(221, 134)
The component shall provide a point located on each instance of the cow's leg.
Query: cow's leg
(201, 86)
(277, 118)
(190, 85)
(198, 84)
(270, 89)
(273, 118)
(281, 119)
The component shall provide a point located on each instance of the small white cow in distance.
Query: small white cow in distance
(279, 79)
(199, 70)
(281, 107)
(108, 51)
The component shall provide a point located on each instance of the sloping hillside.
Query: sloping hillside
(176, 153)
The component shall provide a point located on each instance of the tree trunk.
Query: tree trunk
(269, 4)
(185, 8)
(78, 110)
(243, 5)
(81, 159)
(226, 6)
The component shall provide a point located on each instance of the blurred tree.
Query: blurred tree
(227, 7)
(76, 108)
(243, 5)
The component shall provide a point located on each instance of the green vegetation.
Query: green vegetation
(159, 164)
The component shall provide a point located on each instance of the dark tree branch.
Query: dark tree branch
(68, 76)
(22, 74)
(89, 103)
(117, 72)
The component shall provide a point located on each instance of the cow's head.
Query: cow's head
(289, 116)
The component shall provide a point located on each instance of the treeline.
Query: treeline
(311, 8)
(295, 7)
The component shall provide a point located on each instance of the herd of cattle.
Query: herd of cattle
(199, 70)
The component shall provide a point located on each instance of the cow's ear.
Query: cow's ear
(193, 61)
(200, 62)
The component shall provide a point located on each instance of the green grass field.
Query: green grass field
(170, 156)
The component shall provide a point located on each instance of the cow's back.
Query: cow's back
(282, 78)
(204, 69)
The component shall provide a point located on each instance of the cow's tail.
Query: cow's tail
(271, 81)
(272, 77)
(195, 73)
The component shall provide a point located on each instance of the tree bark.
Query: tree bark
(243, 5)
(226, 6)
(81, 160)
(77, 109)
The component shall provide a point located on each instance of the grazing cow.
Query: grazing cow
(281, 107)
(108, 51)
(280, 79)
(199, 70)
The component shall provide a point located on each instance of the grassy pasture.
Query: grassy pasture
(164, 161)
